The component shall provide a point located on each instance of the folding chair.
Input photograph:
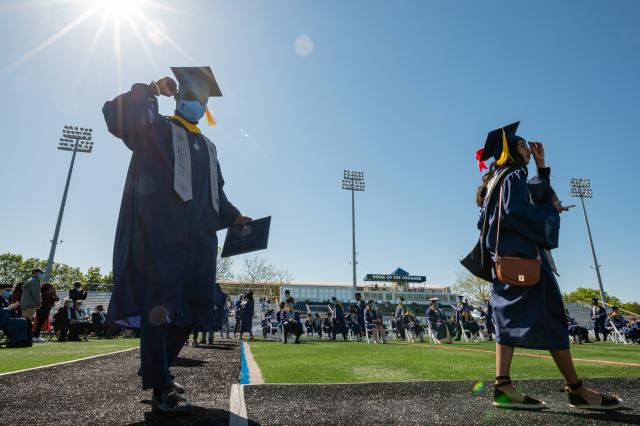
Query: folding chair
(616, 335)
(408, 335)
(431, 334)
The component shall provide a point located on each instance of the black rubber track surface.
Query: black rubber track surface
(440, 403)
(107, 390)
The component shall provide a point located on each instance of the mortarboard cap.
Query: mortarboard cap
(433, 299)
(614, 308)
(460, 297)
(197, 78)
(594, 300)
(499, 144)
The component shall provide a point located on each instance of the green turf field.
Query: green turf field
(53, 352)
(350, 362)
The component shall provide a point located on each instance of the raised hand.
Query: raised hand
(167, 86)
(537, 150)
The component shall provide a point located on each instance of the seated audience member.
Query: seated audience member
(83, 320)
(266, 323)
(77, 292)
(66, 322)
(17, 330)
(98, 318)
(326, 325)
(621, 323)
(308, 325)
(16, 295)
(634, 331)
(470, 324)
(5, 297)
(410, 322)
(442, 328)
(578, 334)
(317, 324)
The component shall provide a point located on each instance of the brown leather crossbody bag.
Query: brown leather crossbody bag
(516, 271)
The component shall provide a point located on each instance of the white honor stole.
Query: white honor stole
(182, 166)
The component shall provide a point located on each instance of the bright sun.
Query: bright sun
(117, 8)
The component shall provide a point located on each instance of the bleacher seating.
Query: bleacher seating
(581, 313)
(94, 298)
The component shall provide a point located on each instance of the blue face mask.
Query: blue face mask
(7, 294)
(191, 110)
(41, 276)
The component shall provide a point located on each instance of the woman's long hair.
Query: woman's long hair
(515, 160)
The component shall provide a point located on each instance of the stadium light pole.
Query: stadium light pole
(581, 188)
(75, 139)
(353, 181)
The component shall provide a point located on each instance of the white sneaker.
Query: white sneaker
(38, 340)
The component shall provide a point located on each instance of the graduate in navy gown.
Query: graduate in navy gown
(247, 311)
(164, 257)
(527, 317)
(599, 318)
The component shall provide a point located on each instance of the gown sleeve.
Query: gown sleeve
(539, 222)
(131, 114)
(227, 212)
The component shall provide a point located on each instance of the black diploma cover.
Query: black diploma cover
(246, 238)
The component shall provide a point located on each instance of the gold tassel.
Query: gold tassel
(210, 119)
(505, 151)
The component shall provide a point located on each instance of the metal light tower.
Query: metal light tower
(581, 188)
(76, 139)
(353, 181)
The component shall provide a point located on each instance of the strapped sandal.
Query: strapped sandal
(502, 400)
(607, 402)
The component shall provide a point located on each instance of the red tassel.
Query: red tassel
(481, 164)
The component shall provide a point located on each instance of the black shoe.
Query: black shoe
(607, 402)
(502, 400)
(171, 403)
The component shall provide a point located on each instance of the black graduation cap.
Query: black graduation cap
(594, 300)
(495, 147)
(460, 297)
(196, 76)
(358, 295)
(614, 308)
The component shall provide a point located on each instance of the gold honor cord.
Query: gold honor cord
(505, 151)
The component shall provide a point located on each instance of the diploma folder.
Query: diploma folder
(246, 238)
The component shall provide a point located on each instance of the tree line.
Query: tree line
(15, 268)
(478, 289)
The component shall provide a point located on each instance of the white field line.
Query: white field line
(237, 407)
(65, 362)
(255, 375)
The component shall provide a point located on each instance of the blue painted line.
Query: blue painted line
(244, 368)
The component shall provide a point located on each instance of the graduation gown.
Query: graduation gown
(165, 248)
(246, 316)
(527, 317)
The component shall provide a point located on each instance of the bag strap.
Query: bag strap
(497, 180)
(500, 220)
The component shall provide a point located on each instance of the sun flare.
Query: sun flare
(117, 8)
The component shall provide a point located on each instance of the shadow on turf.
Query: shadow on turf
(199, 416)
(611, 416)
(189, 362)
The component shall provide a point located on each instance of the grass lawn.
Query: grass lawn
(40, 354)
(351, 362)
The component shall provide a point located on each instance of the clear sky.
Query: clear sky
(402, 90)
